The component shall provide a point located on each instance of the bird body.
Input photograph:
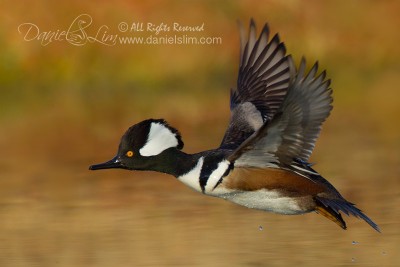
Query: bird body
(277, 111)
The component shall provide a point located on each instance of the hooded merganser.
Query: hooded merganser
(262, 163)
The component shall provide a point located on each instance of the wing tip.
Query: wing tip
(252, 23)
(265, 29)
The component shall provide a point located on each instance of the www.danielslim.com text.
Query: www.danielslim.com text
(169, 39)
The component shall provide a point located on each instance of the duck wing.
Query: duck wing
(262, 84)
(289, 138)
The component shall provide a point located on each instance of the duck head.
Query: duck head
(144, 146)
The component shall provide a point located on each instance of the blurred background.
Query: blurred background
(64, 107)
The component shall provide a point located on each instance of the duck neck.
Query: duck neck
(175, 162)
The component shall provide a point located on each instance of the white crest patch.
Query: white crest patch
(191, 178)
(159, 139)
(216, 176)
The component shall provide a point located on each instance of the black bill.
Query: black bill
(115, 163)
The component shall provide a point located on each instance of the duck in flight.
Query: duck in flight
(262, 163)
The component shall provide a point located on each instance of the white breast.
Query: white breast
(215, 176)
(191, 178)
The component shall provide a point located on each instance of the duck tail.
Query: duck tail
(331, 208)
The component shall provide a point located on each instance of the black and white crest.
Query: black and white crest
(160, 136)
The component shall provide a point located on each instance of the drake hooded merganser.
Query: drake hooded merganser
(262, 163)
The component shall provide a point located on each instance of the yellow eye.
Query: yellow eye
(129, 154)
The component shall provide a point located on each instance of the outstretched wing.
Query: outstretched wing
(290, 137)
(262, 84)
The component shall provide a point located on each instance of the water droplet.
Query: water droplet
(260, 228)
(355, 242)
